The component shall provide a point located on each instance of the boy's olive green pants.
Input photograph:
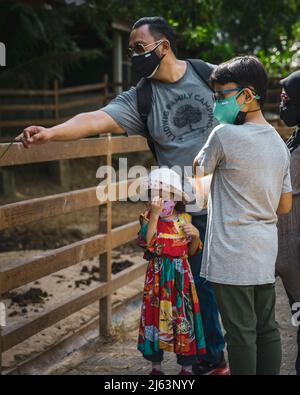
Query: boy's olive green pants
(252, 335)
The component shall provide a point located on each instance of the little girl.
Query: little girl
(170, 318)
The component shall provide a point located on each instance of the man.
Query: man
(288, 260)
(250, 186)
(179, 122)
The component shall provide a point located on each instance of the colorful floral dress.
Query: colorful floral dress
(170, 319)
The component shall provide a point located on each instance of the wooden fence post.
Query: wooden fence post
(105, 260)
(56, 100)
(106, 91)
(60, 170)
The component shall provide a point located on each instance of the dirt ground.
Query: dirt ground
(30, 301)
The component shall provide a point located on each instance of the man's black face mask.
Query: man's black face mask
(289, 113)
(290, 99)
(146, 64)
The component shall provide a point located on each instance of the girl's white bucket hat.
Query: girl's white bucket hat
(167, 180)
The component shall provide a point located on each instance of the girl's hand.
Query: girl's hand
(156, 205)
(191, 231)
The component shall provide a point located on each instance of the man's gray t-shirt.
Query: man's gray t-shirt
(180, 121)
(250, 166)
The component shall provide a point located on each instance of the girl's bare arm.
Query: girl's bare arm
(193, 232)
(156, 207)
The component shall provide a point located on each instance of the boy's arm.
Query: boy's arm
(286, 198)
(285, 203)
(210, 156)
(204, 166)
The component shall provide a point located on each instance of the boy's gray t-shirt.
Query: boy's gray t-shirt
(180, 121)
(250, 165)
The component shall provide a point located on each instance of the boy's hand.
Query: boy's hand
(191, 231)
(156, 205)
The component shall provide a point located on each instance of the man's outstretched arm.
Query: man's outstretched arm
(81, 125)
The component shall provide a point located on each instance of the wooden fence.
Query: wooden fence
(24, 107)
(58, 100)
(18, 273)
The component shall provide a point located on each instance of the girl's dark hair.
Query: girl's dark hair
(180, 207)
(159, 28)
(246, 71)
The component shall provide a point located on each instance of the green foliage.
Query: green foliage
(281, 59)
(42, 44)
(217, 30)
(45, 43)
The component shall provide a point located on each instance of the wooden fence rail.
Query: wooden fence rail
(20, 108)
(21, 272)
(58, 103)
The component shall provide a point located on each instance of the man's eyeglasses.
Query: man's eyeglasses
(139, 48)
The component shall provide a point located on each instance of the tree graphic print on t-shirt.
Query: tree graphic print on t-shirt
(187, 115)
(184, 117)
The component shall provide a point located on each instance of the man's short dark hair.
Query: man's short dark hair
(159, 28)
(245, 71)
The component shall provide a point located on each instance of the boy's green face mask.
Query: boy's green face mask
(228, 110)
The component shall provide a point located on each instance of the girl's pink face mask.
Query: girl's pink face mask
(168, 208)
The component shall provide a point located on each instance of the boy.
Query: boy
(250, 186)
